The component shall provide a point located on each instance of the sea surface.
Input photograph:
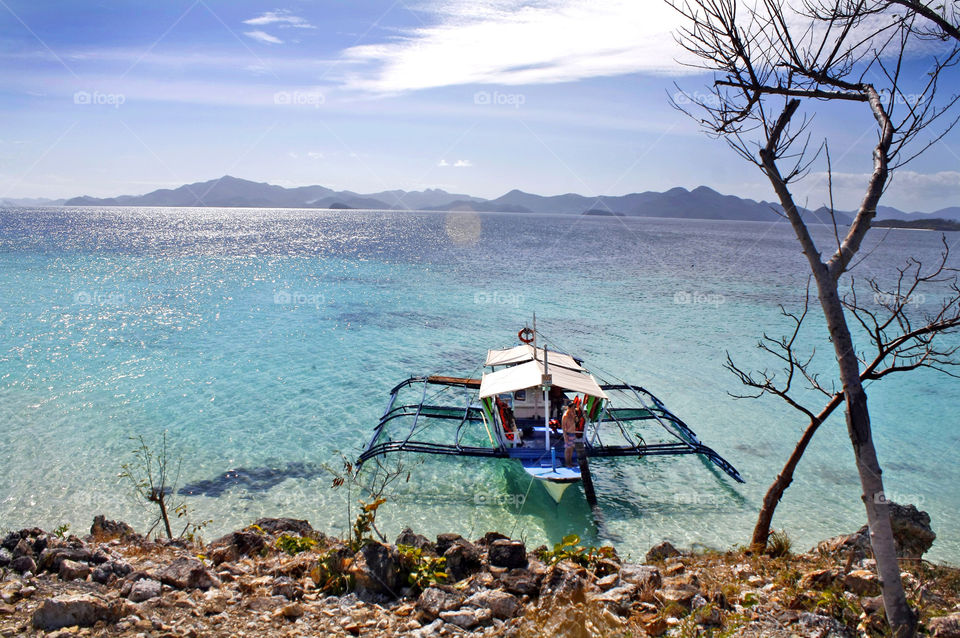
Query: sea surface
(264, 344)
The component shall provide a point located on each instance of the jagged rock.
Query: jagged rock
(565, 580)
(288, 588)
(661, 551)
(187, 573)
(500, 603)
(827, 626)
(434, 600)
(945, 626)
(51, 557)
(467, 618)
(444, 541)
(507, 553)
(215, 601)
(66, 611)
(236, 545)
(608, 582)
(104, 530)
(23, 565)
(279, 525)
(290, 611)
(862, 582)
(7, 610)
(407, 537)
(5, 557)
(110, 570)
(819, 578)
(375, 569)
(643, 576)
(463, 559)
(872, 604)
(912, 535)
(709, 616)
(10, 541)
(522, 582)
(144, 590)
(22, 548)
(490, 537)
(618, 598)
(72, 570)
(264, 603)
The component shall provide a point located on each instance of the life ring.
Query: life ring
(526, 335)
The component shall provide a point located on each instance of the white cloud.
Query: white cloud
(314, 155)
(442, 163)
(280, 17)
(462, 164)
(515, 42)
(262, 36)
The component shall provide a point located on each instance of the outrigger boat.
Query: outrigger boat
(513, 411)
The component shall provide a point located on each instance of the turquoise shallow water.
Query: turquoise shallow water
(264, 342)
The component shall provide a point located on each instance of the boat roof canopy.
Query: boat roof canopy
(526, 352)
(530, 374)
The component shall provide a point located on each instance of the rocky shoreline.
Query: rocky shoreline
(279, 577)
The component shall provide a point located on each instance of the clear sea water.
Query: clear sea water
(264, 343)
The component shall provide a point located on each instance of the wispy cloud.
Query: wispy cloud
(515, 42)
(280, 17)
(263, 36)
(462, 164)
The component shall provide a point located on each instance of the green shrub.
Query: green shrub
(294, 544)
(422, 569)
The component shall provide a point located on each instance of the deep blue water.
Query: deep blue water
(265, 341)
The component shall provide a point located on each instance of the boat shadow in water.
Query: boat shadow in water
(253, 479)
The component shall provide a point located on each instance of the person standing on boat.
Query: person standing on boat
(569, 426)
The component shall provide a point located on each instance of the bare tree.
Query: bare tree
(938, 20)
(899, 344)
(767, 63)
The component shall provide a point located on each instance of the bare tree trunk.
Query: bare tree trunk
(901, 618)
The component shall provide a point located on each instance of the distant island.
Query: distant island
(602, 213)
(676, 203)
(935, 223)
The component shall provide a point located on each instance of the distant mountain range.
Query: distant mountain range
(699, 203)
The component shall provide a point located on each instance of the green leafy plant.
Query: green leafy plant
(365, 522)
(61, 531)
(331, 575)
(294, 545)
(423, 570)
(569, 548)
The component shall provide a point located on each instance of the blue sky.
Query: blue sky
(553, 96)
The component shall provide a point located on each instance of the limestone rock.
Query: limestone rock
(463, 559)
(444, 541)
(500, 603)
(22, 548)
(288, 588)
(661, 551)
(945, 626)
(23, 565)
(617, 599)
(187, 573)
(522, 582)
(912, 535)
(434, 600)
(144, 590)
(565, 580)
(643, 576)
(5, 557)
(65, 611)
(276, 526)
(467, 618)
(507, 553)
(819, 578)
(407, 537)
(862, 582)
(236, 545)
(104, 529)
(376, 569)
(72, 570)
(51, 557)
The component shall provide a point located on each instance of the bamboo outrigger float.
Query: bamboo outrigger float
(513, 411)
